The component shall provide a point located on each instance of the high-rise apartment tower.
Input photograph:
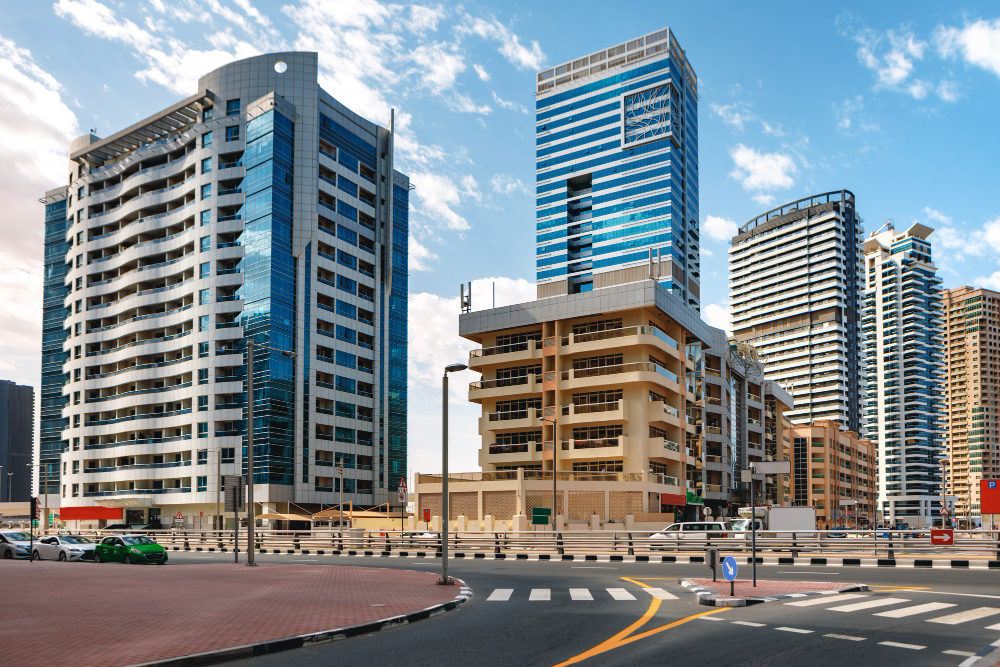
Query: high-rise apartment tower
(795, 288)
(617, 170)
(902, 325)
(17, 430)
(259, 207)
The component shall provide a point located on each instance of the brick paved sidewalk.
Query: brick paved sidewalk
(114, 614)
(745, 588)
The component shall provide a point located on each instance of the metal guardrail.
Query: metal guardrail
(882, 543)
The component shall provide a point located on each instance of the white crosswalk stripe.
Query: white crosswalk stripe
(993, 627)
(620, 594)
(914, 610)
(912, 647)
(660, 594)
(540, 594)
(869, 604)
(580, 594)
(968, 615)
(824, 600)
(500, 595)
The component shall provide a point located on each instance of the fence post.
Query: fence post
(559, 544)
(892, 550)
(631, 551)
(795, 552)
(496, 543)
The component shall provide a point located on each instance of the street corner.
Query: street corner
(741, 593)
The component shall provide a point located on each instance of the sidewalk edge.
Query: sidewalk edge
(710, 598)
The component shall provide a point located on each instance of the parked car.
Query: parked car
(15, 544)
(129, 549)
(693, 530)
(64, 547)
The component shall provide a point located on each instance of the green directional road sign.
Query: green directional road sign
(540, 516)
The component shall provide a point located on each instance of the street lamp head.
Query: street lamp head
(453, 368)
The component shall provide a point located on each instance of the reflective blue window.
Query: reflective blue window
(204, 296)
(345, 234)
(347, 259)
(345, 359)
(345, 334)
(347, 186)
(206, 243)
(346, 284)
(346, 309)
(202, 483)
(206, 165)
(206, 217)
(232, 133)
(342, 409)
(348, 160)
(233, 108)
(347, 210)
(202, 376)
(206, 191)
(202, 429)
(342, 434)
(205, 270)
(202, 404)
(208, 114)
(202, 349)
(206, 140)
(345, 384)
(203, 323)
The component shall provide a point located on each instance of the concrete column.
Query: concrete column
(629, 522)
(479, 503)
(488, 523)
(462, 523)
(607, 505)
(560, 523)
(595, 522)
(411, 523)
(435, 524)
(520, 523)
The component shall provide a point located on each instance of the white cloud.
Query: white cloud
(483, 74)
(937, 216)
(764, 200)
(991, 281)
(419, 256)
(96, 19)
(735, 114)
(425, 19)
(772, 130)
(891, 56)
(720, 229)
(440, 64)
(718, 316)
(762, 171)
(511, 48)
(976, 43)
(845, 112)
(439, 196)
(511, 106)
(464, 104)
(506, 184)
(947, 90)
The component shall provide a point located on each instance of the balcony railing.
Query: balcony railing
(502, 382)
(500, 349)
(619, 333)
(521, 448)
(588, 408)
(514, 414)
(594, 443)
(578, 373)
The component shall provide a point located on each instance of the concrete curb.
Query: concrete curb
(710, 598)
(989, 655)
(322, 637)
(917, 563)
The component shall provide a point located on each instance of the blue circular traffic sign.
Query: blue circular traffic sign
(729, 568)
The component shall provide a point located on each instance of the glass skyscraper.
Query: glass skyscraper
(617, 170)
(260, 207)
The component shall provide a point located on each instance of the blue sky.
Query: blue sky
(894, 101)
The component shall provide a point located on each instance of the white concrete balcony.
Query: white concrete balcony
(497, 454)
(616, 411)
(660, 412)
(664, 448)
(618, 338)
(583, 378)
(514, 419)
(598, 448)
(505, 387)
(505, 354)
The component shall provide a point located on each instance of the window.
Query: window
(346, 309)
(202, 429)
(347, 186)
(202, 483)
(206, 191)
(342, 434)
(206, 217)
(207, 114)
(345, 359)
(203, 349)
(79, 193)
(233, 133)
(206, 165)
(206, 270)
(202, 456)
(76, 490)
(204, 296)
(202, 376)
(347, 210)
(229, 455)
(343, 333)
(346, 284)
(233, 108)
(345, 234)
(206, 140)
(202, 403)
(347, 260)
(203, 323)
(345, 384)
(342, 409)
(206, 243)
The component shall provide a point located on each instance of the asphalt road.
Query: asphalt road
(547, 613)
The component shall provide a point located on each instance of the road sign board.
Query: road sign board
(989, 496)
(942, 537)
(772, 467)
(427, 515)
(729, 568)
(402, 494)
(540, 516)
(179, 516)
(944, 511)
(233, 486)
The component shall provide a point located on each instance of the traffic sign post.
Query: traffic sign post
(402, 505)
(942, 537)
(729, 570)
(712, 560)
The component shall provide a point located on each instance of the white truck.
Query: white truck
(781, 520)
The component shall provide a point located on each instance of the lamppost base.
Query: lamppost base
(251, 564)
(445, 582)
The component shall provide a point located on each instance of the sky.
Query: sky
(895, 101)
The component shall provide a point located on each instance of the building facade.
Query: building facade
(795, 290)
(835, 472)
(617, 170)
(260, 207)
(972, 374)
(902, 323)
(17, 431)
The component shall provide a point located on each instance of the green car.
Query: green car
(129, 549)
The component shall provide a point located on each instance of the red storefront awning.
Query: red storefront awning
(92, 513)
(673, 499)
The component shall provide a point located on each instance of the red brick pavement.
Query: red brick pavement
(114, 614)
(744, 588)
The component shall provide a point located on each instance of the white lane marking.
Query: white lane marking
(824, 600)
(993, 627)
(964, 595)
(710, 618)
(592, 567)
(749, 624)
(500, 595)
(620, 594)
(912, 647)
(968, 662)
(961, 654)
(963, 616)
(798, 630)
(580, 594)
(305, 560)
(850, 638)
(801, 572)
(660, 594)
(916, 609)
(540, 595)
(868, 604)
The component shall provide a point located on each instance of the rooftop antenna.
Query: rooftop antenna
(465, 300)
(887, 226)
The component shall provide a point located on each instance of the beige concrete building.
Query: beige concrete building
(830, 465)
(972, 369)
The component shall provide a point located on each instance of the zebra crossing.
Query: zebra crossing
(580, 594)
(941, 613)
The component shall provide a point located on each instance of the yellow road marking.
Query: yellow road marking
(622, 638)
(886, 589)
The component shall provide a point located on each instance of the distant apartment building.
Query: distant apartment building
(259, 207)
(835, 472)
(972, 393)
(634, 397)
(17, 431)
(902, 323)
(795, 288)
(617, 170)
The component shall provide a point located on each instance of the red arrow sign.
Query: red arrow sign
(942, 537)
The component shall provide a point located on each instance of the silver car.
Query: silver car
(15, 544)
(64, 547)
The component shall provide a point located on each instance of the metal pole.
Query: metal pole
(753, 528)
(218, 489)
(340, 469)
(250, 517)
(555, 467)
(10, 481)
(45, 476)
(444, 479)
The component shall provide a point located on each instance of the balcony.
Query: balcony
(515, 386)
(662, 448)
(496, 454)
(581, 378)
(658, 411)
(503, 354)
(619, 338)
(616, 411)
(514, 419)
(597, 448)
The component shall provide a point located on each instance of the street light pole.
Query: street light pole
(10, 481)
(340, 526)
(555, 461)
(444, 469)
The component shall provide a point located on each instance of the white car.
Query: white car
(64, 547)
(15, 544)
(694, 530)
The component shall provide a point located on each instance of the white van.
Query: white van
(694, 530)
